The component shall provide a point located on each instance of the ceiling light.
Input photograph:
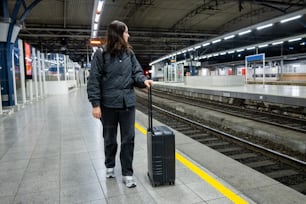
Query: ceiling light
(291, 18)
(216, 41)
(99, 7)
(239, 50)
(264, 45)
(229, 37)
(244, 32)
(197, 47)
(94, 33)
(205, 44)
(230, 52)
(277, 43)
(250, 48)
(294, 39)
(264, 26)
(95, 26)
(97, 17)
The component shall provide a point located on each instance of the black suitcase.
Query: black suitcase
(161, 151)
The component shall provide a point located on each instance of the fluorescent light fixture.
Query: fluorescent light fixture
(205, 44)
(229, 37)
(190, 49)
(277, 43)
(94, 33)
(215, 55)
(264, 45)
(184, 51)
(264, 26)
(97, 17)
(178, 53)
(294, 39)
(216, 41)
(197, 47)
(99, 7)
(231, 52)
(95, 26)
(250, 48)
(239, 50)
(291, 18)
(222, 53)
(245, 32)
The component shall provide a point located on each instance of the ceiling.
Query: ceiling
(156, 27)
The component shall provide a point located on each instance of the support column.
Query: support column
(8, 35)
(35, 73)
(6, 74)
(43, 74)
(22, 69)
(39, 71)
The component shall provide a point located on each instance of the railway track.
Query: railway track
(280, 120)
(283, 168)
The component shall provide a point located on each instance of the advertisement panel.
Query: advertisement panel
(28, 60)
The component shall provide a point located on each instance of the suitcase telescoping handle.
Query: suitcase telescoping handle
(150, 120)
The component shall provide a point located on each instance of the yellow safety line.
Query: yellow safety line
(202, 174)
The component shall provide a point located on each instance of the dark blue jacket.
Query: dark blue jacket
(112, 79)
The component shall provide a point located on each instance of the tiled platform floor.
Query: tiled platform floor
(52, 152)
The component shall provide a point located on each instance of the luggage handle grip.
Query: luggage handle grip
(150, 120)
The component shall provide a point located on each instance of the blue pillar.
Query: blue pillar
(192, 70)
(6, 74)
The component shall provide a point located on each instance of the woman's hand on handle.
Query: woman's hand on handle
(148, 83)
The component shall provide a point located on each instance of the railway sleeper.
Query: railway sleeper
(282, 173)
(243, 156)
(216, 144)
(258, 164)
(301, 187)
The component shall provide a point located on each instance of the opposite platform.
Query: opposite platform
(279, 94)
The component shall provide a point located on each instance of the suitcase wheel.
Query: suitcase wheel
(171, 183)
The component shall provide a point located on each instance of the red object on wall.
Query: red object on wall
(28, 60)
(243, 71)
(229, 72)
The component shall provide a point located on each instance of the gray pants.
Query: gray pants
(111, 117)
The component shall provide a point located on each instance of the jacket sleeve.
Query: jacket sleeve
(95, 79)
(137, 74)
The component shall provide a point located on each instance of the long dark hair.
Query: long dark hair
(115, 42)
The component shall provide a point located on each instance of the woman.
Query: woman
(114, 73)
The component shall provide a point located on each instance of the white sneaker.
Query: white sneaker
(110, 172)
(129, 181)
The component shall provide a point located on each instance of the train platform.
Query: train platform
(51, 151)
(291, 95)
